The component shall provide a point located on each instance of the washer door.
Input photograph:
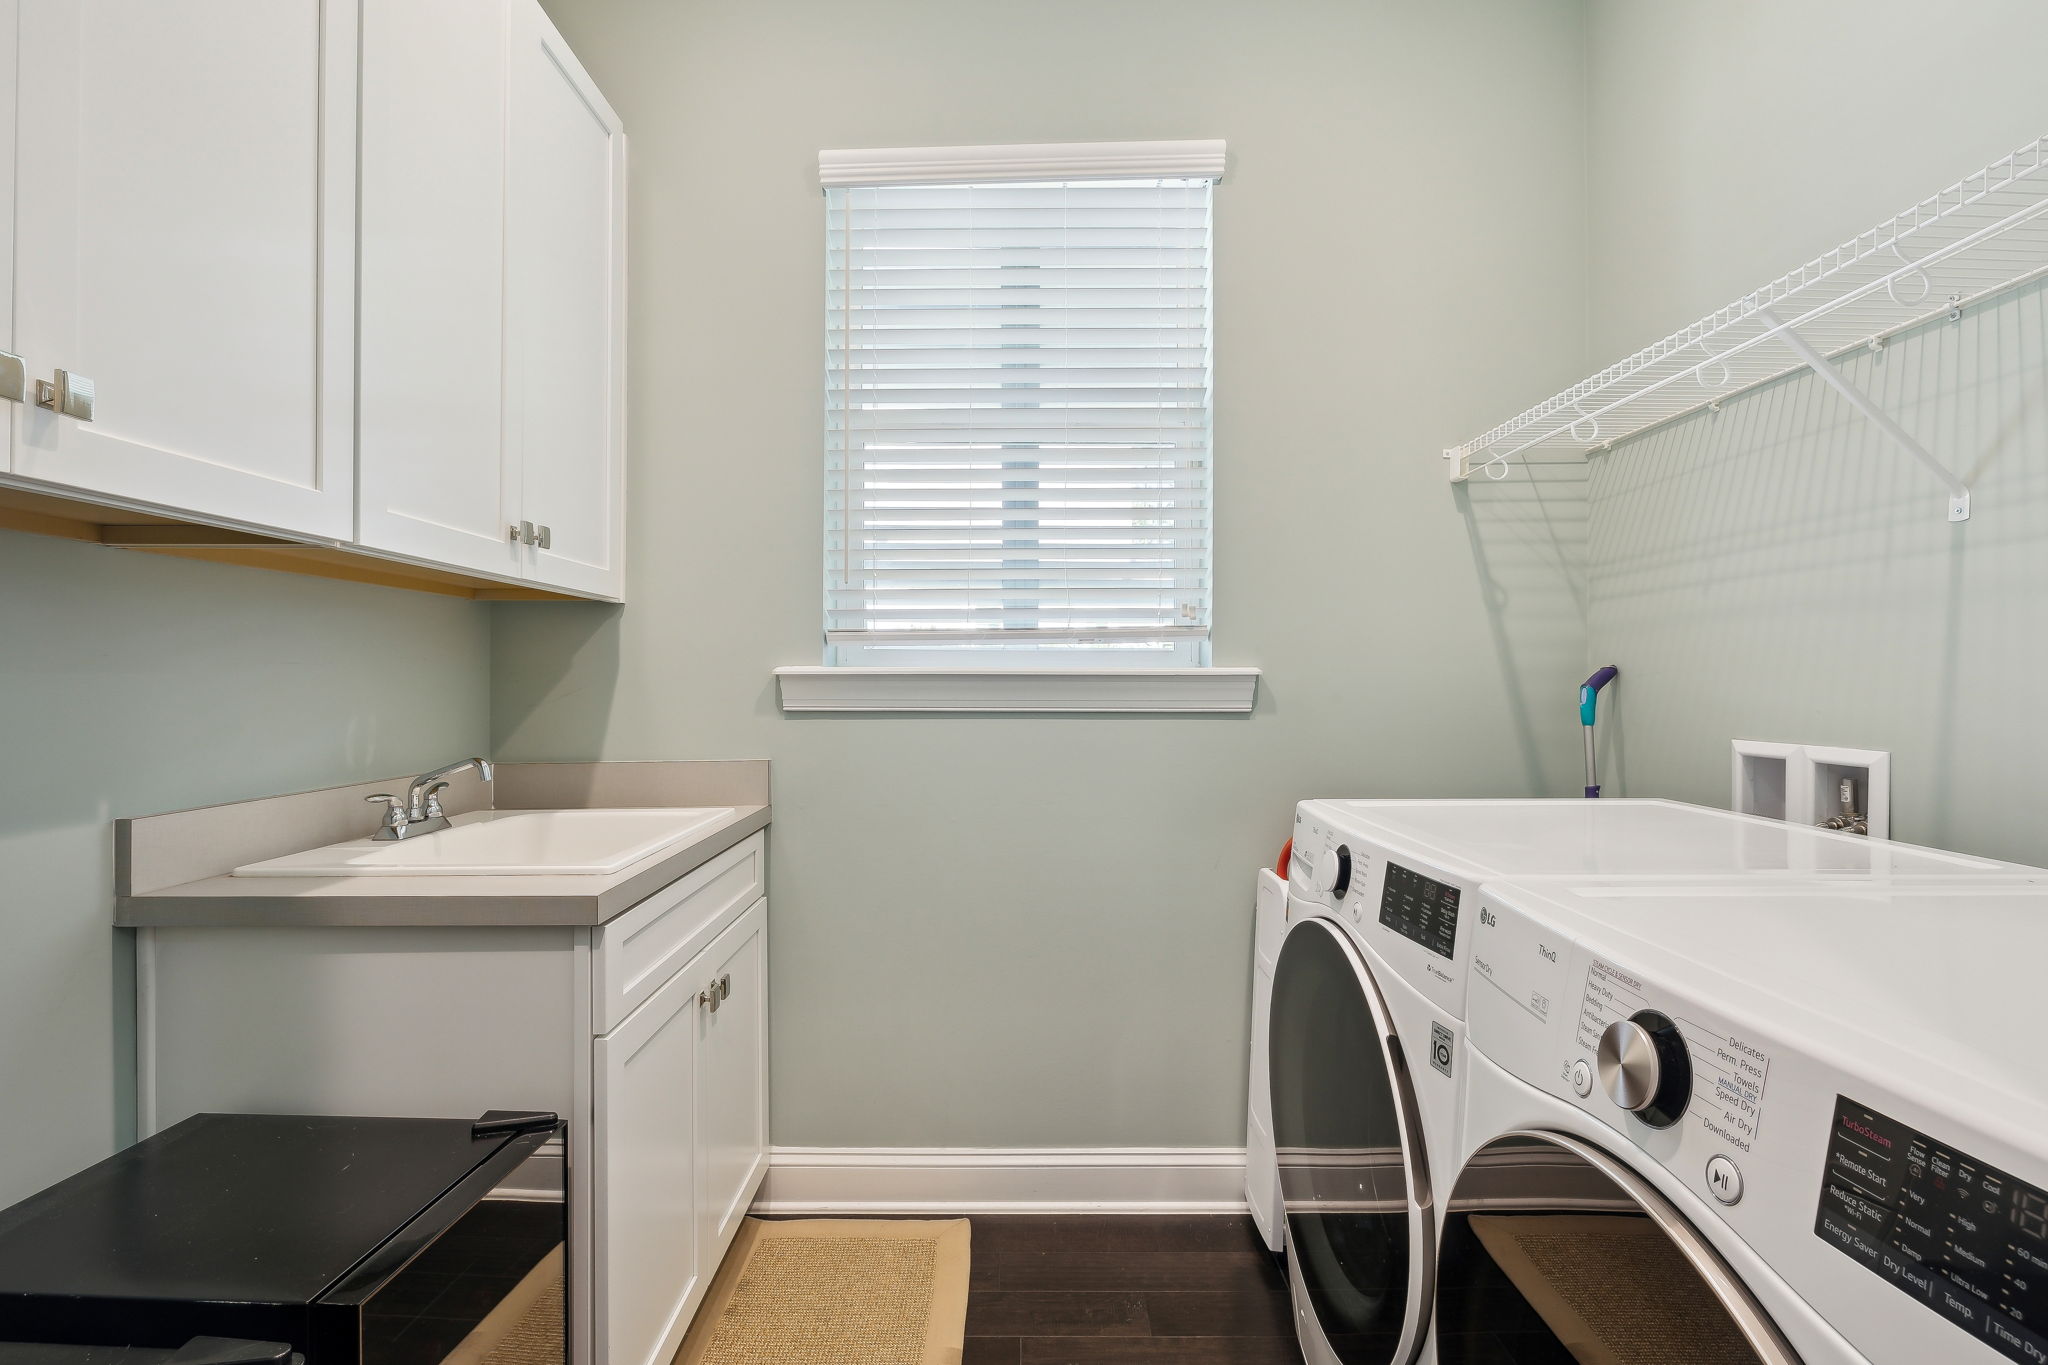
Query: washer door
(1556, 1250)
(1354, 1183)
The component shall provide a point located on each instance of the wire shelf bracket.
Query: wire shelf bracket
(1983, 236)
(1958, 493)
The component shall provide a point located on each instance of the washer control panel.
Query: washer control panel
(1401, 905)
(1420, 910)
(1959, 1235)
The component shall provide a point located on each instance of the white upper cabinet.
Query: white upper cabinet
(565, 274)
(10, 28)
(435, 482)
(340, 270)
(493, 222)
(184, 242)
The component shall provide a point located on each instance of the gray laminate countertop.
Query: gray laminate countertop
(454, 901)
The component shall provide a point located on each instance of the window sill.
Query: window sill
(1097, 690)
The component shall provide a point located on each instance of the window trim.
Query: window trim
(1196, 159)
(1181, 691)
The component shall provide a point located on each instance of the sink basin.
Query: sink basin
(506, 843)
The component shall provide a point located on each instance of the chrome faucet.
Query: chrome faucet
(420, 812)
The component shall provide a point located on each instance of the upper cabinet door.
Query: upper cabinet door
(565, 284)
(185, 243)
(10, 30)
(435, 482)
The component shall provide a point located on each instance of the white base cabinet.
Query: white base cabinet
(667, 1096)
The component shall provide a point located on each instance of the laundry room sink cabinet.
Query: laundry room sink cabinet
(646, 1030)
(691, 1059)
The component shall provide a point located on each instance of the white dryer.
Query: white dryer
(1368, 1006)
(1732, 1124)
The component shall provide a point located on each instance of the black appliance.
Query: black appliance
(370, 1241)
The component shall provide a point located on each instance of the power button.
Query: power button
(1724, 1180)
(1582, 1078)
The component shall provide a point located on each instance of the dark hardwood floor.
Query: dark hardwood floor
(1125, 1290)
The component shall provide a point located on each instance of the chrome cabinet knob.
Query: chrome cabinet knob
(1645, 1067)
(67, 393)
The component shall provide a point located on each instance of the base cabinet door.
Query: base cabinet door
(732, 1081)
(565, 240)
(646, 1269)
(185, 252)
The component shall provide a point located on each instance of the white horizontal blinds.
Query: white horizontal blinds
(1018, 421)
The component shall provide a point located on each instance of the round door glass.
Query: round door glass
(1343, 1165)
(1551, 1248)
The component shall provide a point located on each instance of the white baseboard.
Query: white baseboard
(959, 1180)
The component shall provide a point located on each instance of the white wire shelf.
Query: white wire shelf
(1982, 236)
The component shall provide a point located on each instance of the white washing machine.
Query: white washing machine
(1369, 998)
(1797, 1125)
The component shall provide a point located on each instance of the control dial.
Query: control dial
(1333, 872)
(1645, 1067)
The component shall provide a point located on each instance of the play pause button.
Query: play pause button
(1724, 1180)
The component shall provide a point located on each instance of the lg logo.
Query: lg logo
(1486, 917)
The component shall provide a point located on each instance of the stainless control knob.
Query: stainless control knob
(1645, 1067)
(1332, 874)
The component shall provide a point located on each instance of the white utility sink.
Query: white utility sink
(506, 843)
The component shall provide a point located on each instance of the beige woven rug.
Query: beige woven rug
(526, 1326)
(836, 1291)
(1584, 1275)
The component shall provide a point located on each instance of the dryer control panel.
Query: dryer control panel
(1935, 1223)
(1542, 1004)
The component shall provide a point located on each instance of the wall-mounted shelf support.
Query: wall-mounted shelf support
(1958, 492)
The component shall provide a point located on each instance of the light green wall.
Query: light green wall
(1732, 140)
(136, 684)
(1035, 931)
(1779, 571)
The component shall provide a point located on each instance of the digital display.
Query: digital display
(1417, 908)
(1963, 1237)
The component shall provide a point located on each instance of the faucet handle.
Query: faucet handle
(432, 800)
(395, 814)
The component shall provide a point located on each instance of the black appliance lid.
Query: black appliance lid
(235, 1208)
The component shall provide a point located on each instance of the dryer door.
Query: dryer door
(1353, 1179)
(1556, 1250)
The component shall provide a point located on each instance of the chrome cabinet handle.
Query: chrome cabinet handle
(709, 998)
(520, 533)
(544, 537)
(13, 377)
(724, 987)
(68, 394)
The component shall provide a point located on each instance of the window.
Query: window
(1017, 406)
